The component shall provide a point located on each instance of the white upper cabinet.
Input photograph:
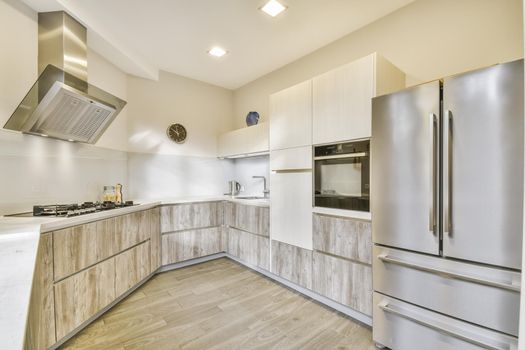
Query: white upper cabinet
(342, 98)
(291, 117)
(244, 142)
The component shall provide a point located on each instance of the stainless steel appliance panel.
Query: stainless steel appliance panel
(483, 165)
(482, 295)
(402, 326)
(404, 156)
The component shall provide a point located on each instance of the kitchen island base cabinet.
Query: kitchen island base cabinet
(347, 282)
(292, 263)
(185, 245)
(250, 248)
(40, 333)
(131, 267)
(81, 296)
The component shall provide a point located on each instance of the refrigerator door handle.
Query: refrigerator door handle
(386, 307)
(448, 208)
(432, 148)
(507, 286)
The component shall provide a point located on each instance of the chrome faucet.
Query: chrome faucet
(266, 191)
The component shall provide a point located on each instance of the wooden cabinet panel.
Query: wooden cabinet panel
(249, 218)
(131, 267)
(291, 208)
(78, 247)
(132, 229)
(189, 216)
(291, 117)
(342, 102)
(155, 239)
(40, 332)
(346, 237)
(344, 281)
(81, 296)
(250, 248)
(293, 263)
(184, 245)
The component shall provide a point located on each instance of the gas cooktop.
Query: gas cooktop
(68, 210)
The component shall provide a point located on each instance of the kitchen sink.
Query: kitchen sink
(251, 197)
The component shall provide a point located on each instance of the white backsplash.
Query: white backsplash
(36, 170)
(245, 168)
(153, 176)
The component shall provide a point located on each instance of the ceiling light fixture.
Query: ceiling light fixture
(273, 8)
(217, 51)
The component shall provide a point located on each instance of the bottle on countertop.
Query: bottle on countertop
(118, 198)
(109, 194)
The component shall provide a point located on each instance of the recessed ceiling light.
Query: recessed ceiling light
(217, 51)
(273, 8)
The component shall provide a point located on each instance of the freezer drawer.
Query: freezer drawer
(402, 326)
(485, 296)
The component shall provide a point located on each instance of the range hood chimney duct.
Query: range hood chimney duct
(62, 104)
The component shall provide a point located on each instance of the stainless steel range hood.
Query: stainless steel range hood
(61, 104)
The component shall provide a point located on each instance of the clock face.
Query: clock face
(177, 133)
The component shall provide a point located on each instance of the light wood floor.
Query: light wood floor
(220, 305)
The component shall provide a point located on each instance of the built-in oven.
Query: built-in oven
(342, 176)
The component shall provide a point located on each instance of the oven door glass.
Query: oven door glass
(342, 183)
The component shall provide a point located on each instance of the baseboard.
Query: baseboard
(356, 315)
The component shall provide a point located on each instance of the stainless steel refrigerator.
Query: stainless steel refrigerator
(447, 211)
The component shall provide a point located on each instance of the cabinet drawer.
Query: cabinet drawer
(402, 326)
(184, 245)
(249, 218)
(252, 249)
(469, 292)
(190, 216)
(131, 267)
(81, 296)
(155, 239)
(78, 247)
(344, 237)
(291, 159)
(131, 229)
(344, 281)
(293, 263)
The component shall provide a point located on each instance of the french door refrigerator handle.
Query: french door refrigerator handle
(386, 307)
(448, 209)
(432, 147)
(507, 286)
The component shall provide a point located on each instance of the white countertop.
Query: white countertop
(19, 238)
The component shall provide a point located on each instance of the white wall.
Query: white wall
(35, 170)
(427, 39)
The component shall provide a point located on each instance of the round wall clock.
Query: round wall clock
(177, 133)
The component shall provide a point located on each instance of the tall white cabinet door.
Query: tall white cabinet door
(291, 117)
(291, 208)
(342, 105)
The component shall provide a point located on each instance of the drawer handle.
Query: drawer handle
(386, 307)
(459, 276)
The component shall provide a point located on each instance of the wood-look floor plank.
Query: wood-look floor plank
(220, 305)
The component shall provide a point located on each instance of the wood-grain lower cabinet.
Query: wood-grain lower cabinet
(189, 216)
(250, 218)
(345, 237)
(190, 244)
(132, 229)
(292, 263)
(344, 281)
(250, 248)
(155, 239)
(131, 267)
(81, 296)
(40, 333)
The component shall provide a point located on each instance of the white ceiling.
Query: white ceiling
(174, 35)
